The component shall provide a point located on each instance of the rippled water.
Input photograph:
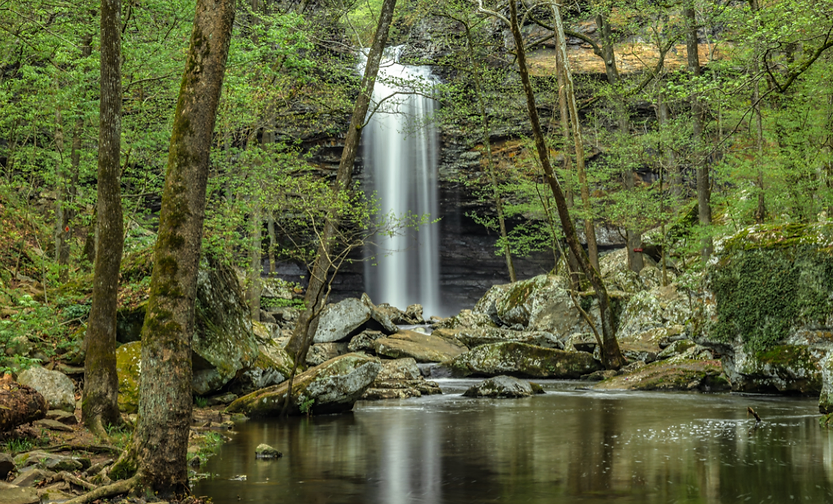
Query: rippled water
(566, 446)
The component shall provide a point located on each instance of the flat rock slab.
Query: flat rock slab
(503, 387)
(13, 494)
(64, 417)
(667, 375)
(419, 346)
(522, 359)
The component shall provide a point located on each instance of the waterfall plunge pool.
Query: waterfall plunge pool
(567, 446)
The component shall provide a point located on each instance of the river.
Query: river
(567, 446)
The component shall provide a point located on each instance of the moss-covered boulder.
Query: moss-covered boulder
(332, 387)
(670, 375)
(272, 366)
(466, 319)
(129, 368)
(522, 360)
(773, 314)
(340, 320)
(421, 347)
(503, 387)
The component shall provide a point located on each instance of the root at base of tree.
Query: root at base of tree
(117, 488)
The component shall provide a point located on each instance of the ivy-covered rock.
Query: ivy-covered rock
(332, 387)
(523, 360)
(668, 375)
(782, 368)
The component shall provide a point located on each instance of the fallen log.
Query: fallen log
(19, 404)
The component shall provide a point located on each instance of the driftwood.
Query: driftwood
(19, 404)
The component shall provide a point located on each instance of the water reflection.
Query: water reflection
(566, 446)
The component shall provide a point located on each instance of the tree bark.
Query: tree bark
(611, 356)
(760, 212)
(703, 189)
(100, 404)
(161, 438)
(316, 295)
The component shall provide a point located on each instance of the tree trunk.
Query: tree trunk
(564, 120)
(255, 258)
(316, 295)
(490, 162)
(100, 405)
(611, 356)
(161, 438)
(760, 212)
(703, 188)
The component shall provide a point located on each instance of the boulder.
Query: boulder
(380, 317)
(466, 319)
(656, 309)
(224, 342)
(13, 494)
(421, 347)
(503, 387)
(667, 375)
(273, 366)
(332, 387)
(128, 367)
(782, 368)
(522, 359)
(31, 477)
(400, 379)
(486, 305)
(54, 386)
(264, 451)
(486, 335)
(64, 417)
(51, 461)
(320, 353)
(413, 314)
(363, 342)
(339, 320)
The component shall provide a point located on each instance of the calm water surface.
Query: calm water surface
(567, 446)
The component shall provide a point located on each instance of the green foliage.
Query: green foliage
(762, 292)
(18, 445)
(200, 402)
(282, 303)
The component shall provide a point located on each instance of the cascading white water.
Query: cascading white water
(400, 154)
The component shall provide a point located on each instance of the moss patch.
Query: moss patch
(769, 280)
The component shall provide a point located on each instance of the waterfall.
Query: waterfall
(400, 156)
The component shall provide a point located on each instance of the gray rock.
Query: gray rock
(486, 335)
(467, 319)
(413, 314)
(31, 477)
(521, 359)
(363, 342)
(264, 451)
(226, 398)
(320, 353)
(6, 465)
(54, 386)
(13, 494)
(62, 416)
(380, 317)
(332, 387)
(51, 461)
(339, 320)
(53, 425)
(400, 379)
(503, 387)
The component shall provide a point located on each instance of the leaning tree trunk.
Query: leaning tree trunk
(315, 297)
(100, 404)
(161, 438)
(611, 356)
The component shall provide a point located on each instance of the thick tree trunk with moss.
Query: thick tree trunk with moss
(100, 405)
(161, 439)
(611, 356)
(320, 277)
